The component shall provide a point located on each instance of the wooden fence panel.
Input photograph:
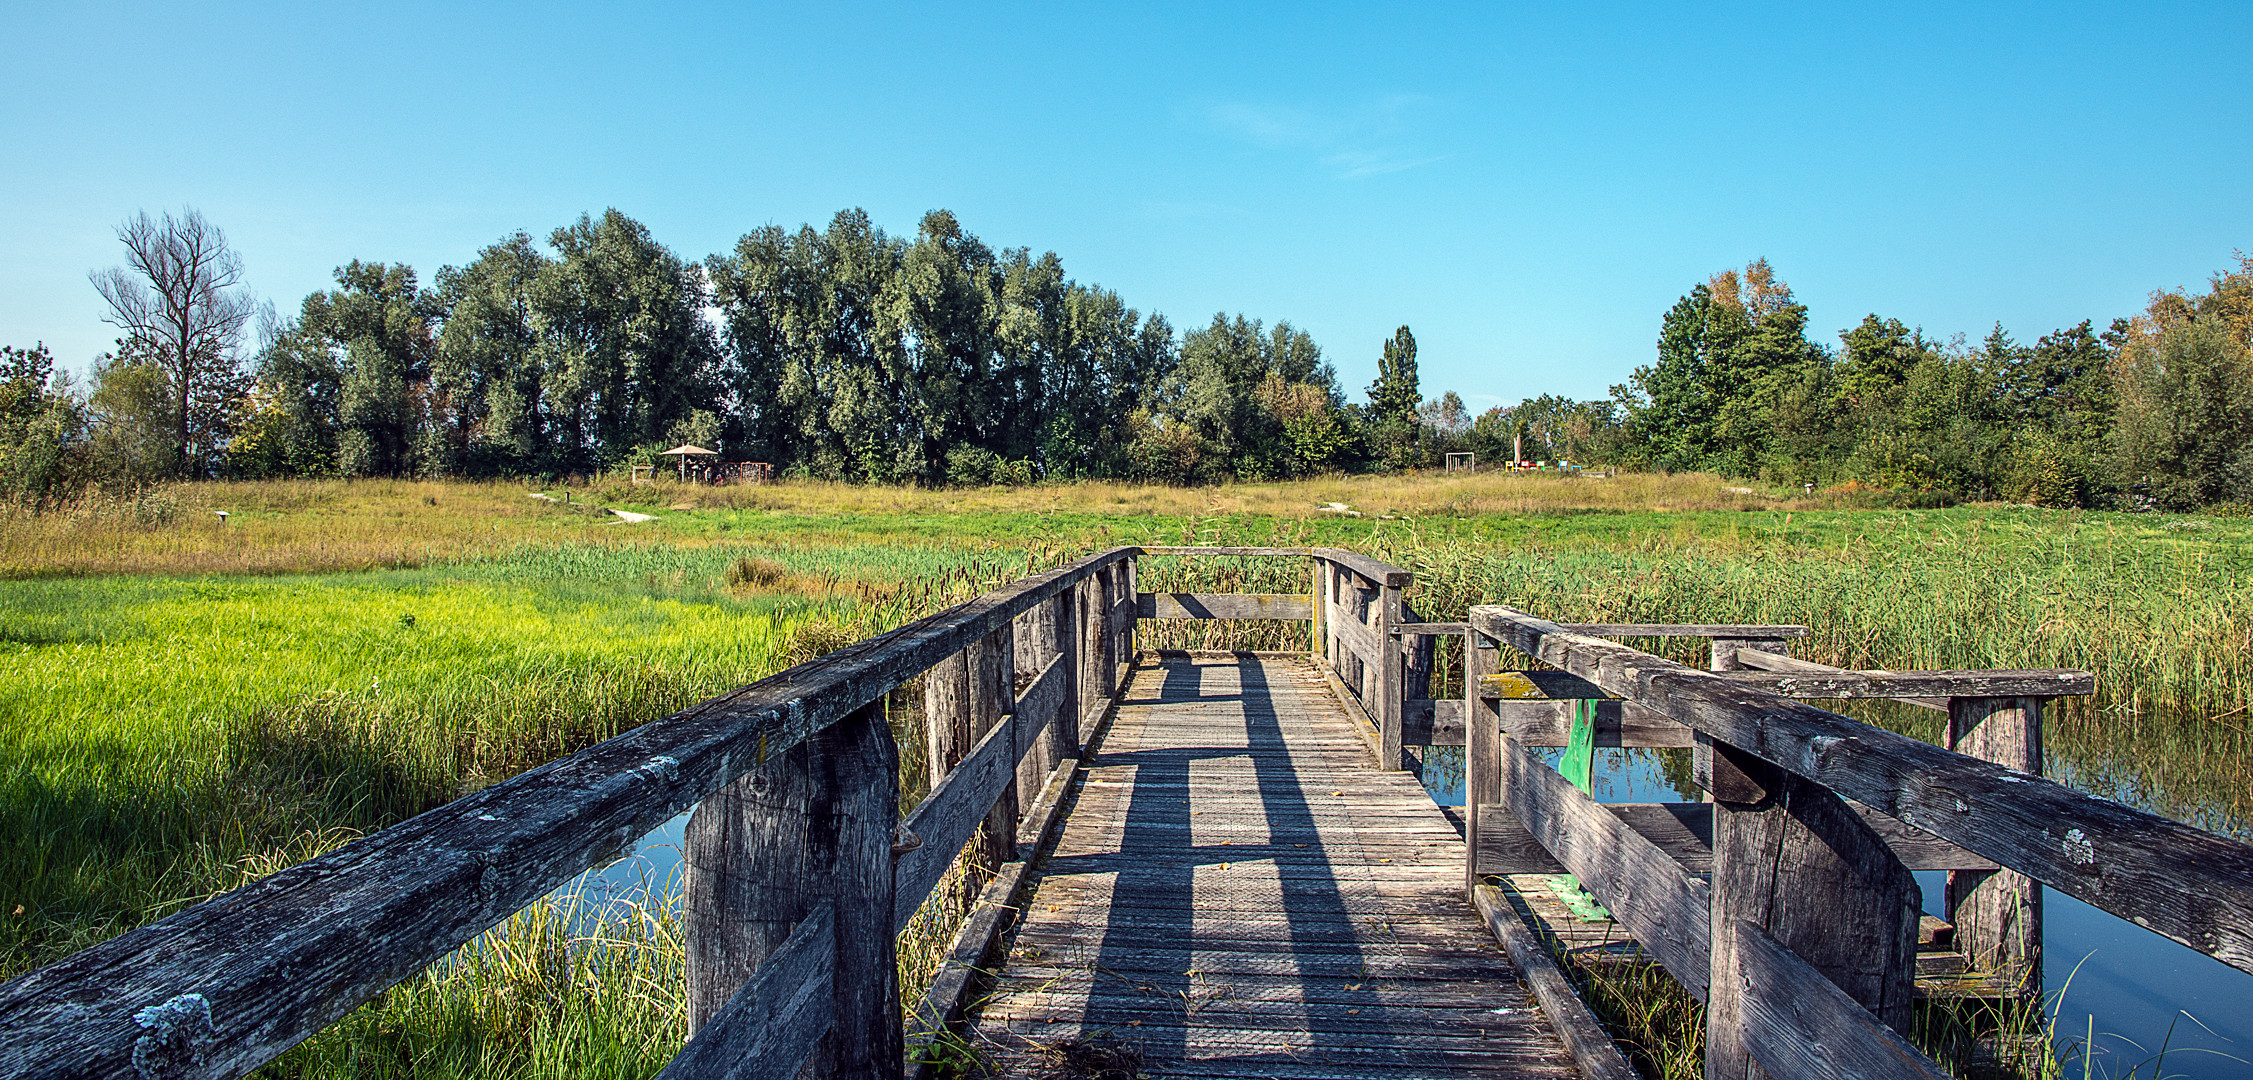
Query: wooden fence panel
(2190, 885)
(773, 1024)
(1800, 1026)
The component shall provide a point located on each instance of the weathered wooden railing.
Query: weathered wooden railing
(1802, 938)
(799, 871)
(1800, 935)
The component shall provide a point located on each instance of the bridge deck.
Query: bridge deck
(1238, 892)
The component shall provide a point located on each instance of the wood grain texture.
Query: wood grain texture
(1211, 900)
(1270, 606)
(974, 948)
(290, 953)
(2187, 884)
(951, 816)
(1593, 1050)
(1663, 906)
(1769, 658)
(773, 1024)
(1705, 630)
(1250, 552)
(1375, 573)
(1803, 1027)
(1804, 867)
(770, 851)
(1898, 684)
(1997, 913)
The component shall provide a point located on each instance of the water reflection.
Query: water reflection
(2134, 984)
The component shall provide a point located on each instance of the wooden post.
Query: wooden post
(1998, 913)
(1417, 655)
(1790, 857)
(1131, 613)
(1084, 658)
(1106, 626)
(1482, 746)
(992, 668)
(1315, 646)
(1035, 638)
(946, 716)
(1724, 656)
(1386, 705)
(814, 824)
(1064, 728)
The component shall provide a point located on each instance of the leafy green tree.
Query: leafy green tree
(492, 369)
(353, 373)
(1393, 433)
(1239, 388)
(2184, 431)
(622, 319)
(42, 431)
(132, 417)
(1728, 354)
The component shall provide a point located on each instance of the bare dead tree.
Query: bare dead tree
(179, 299)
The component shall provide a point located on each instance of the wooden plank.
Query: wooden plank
(1429, 629)
(1618, 723)
(1390, 679)
(1708, 630)
(1425, 722)
(1248, 552)
(1042, 702)
(1897, 684)
(1998, 913)
(1357, 639)
(1213, 901)
(1376, 573)
(947, 818)
(768, 1029)
(1272, 606)
(1804, 1026)
(1684, 830)
(1773, 660)
(1665, 908)
(1540, 685)
(2184, 883)
(1593, 1050)
(1795, 861)
(1482, 748)
(942, 1006)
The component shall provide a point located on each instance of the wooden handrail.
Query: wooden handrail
(332, 932)
(2182, 882)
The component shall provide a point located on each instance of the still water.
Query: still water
(2142, 993)
(2133, 984)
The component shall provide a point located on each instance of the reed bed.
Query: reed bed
(220, 715)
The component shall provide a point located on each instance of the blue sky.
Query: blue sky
(1528, 187)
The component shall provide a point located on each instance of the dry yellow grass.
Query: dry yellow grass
(294, 526)
(1419, 494)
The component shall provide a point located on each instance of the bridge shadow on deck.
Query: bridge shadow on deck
(1238, 892)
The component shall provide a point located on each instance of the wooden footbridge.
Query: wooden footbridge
(1212, 864)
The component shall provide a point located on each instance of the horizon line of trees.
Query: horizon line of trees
(843, 353)
(850, 354)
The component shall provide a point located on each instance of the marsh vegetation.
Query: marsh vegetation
(190, 702)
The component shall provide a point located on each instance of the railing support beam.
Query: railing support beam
(815, 824)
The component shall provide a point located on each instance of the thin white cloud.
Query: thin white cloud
(1365, 140)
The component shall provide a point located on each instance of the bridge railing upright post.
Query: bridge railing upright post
(767, 850)
(1997, 914)
(1792, 859)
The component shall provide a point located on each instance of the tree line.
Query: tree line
(2154, 411)
(842, 353)
(849, 354)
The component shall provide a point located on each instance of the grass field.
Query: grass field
(189, 702)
